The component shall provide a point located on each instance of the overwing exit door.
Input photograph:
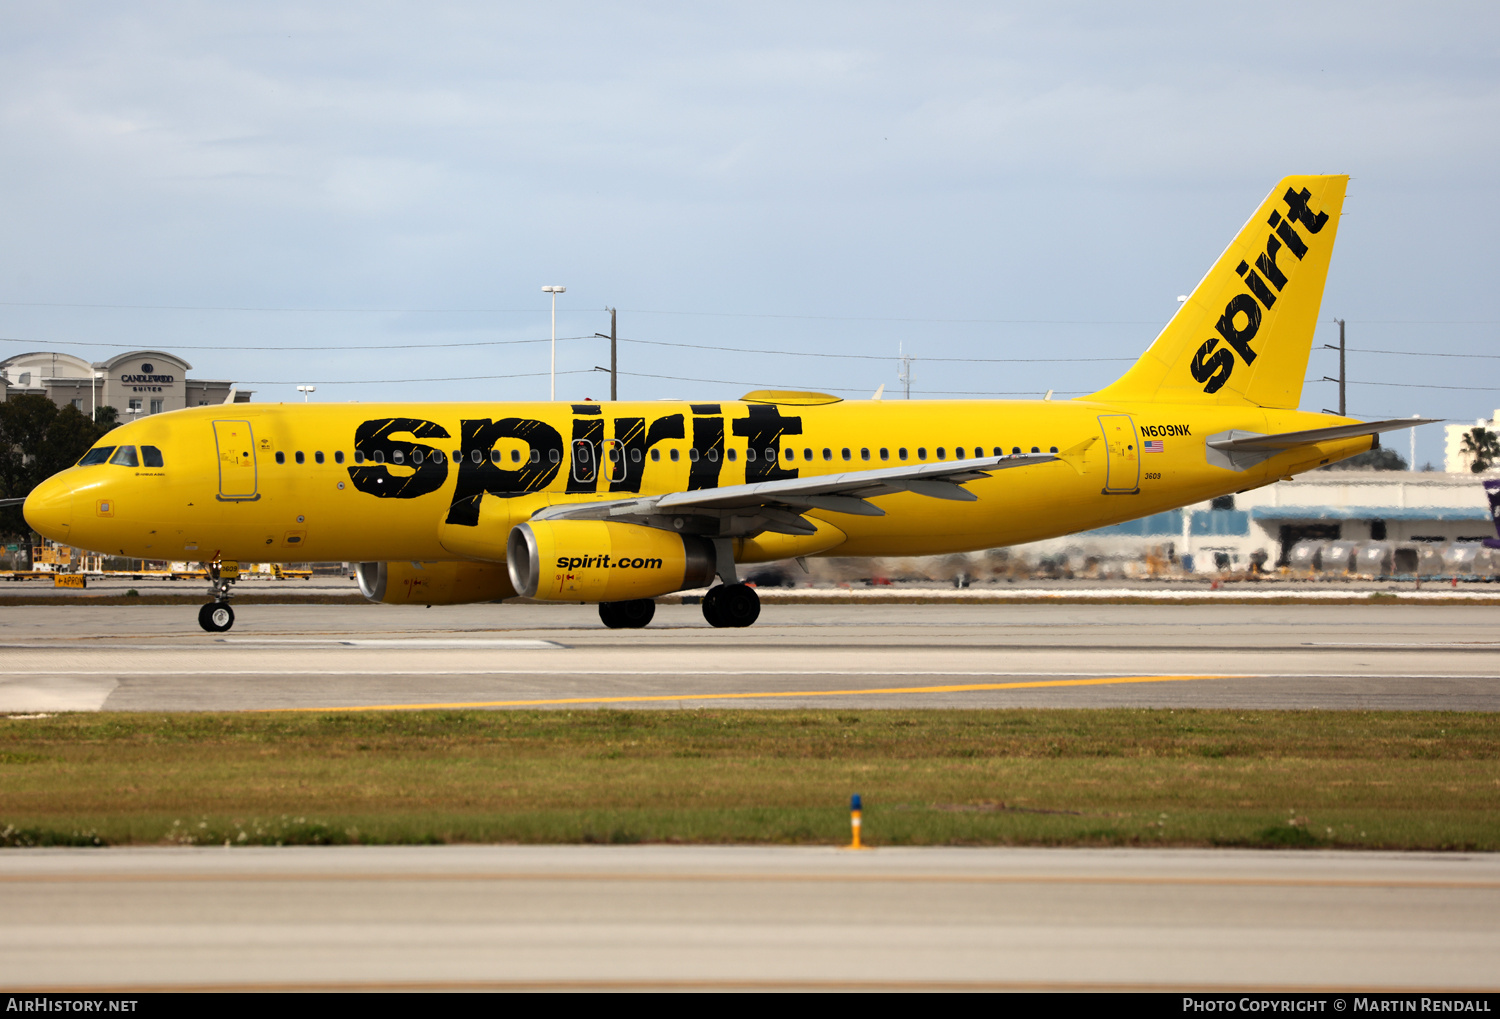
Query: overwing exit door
(236, 446)
(1123, 452)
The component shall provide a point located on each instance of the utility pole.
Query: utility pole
(614, 362)
(903, 375)
(1342, 379)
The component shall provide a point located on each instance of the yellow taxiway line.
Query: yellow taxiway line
(765, 695)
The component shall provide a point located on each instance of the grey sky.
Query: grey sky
(1025, 181)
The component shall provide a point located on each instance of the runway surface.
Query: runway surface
(316, 657)
(731, 917)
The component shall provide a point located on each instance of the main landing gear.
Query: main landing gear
(217, 616)
(623, 615)
(731, 605)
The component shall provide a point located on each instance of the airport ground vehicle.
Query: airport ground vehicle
(617, 503)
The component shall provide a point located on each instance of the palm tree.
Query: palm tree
(1483, 448)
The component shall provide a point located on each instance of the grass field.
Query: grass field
(1403, 780)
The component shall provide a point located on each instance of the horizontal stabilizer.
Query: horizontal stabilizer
(1240, 450)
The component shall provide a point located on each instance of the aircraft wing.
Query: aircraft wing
(1239, 450)
(779, 505)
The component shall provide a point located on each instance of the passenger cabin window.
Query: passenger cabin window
(750, 454)
(359, 456)
(942, 454)
(846, 453)
(1054, 449)
(958, 453)
(458, 456)
(635, 456)
(515, 456)
(1035, 449)
(730, 455)
(318, 456)
(1015, 449)
(396, 456)
(693, 455)
(771, 455)
(380, 456)
(476, 456)
(416, 456)
(536, 456)
(885, 454)
(300, 458)
(827, 453)
(921, 452)
(656, 456)
(280, 457)
(554, 455)
(495, 455)
(151, 457)
(901, 453)
(674, 456)
(96, 456)
(864, 454)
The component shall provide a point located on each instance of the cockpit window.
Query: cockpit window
(125, 457)
(152, 456)
(96, 456)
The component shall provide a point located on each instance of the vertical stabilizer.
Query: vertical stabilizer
(1245, 333)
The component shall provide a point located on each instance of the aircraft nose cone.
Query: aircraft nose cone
(49, 509)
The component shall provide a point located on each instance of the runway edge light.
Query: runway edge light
(855, 809)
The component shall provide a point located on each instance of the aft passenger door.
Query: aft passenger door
(1123, 448)
(236, 446)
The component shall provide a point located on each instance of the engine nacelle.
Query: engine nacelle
(450, 583)
(600, 561)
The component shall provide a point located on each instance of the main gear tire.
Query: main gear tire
(216, 617)
(711, 610)
(627, 615)
(739, 605)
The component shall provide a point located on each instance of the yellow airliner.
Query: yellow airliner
(616, 503)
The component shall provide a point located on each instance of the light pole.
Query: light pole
(554, 291)
(94, 399)
(304, 390)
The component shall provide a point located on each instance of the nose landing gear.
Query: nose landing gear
(731, 605)
(217, 616)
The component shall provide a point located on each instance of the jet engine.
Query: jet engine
(601, 561)
(448, 583)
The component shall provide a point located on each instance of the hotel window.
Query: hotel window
(78, 403)
(135, 406)
(156, 406)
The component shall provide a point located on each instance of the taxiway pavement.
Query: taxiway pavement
(578, 917)
(295, 657)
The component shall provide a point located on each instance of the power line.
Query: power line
(880, 357)
(305, 347)
(382, 382)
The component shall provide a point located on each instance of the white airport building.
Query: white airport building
(1265, 524)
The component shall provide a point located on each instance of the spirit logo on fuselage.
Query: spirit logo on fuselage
(1241, 319)
(589, 456)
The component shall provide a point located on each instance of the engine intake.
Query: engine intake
(600, 561)
(446, 583)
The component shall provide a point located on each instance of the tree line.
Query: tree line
(37, 439)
